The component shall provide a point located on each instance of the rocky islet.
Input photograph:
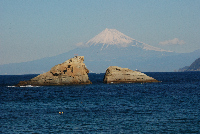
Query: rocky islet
(70, 72)
(74, 72)
(115, 74)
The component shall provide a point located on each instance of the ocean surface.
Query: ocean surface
(171, 106)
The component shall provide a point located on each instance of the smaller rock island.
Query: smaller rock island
(115, 74)
(70, 72)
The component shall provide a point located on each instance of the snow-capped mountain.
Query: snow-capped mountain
(110, 37)
(110, 48)
(113, 37)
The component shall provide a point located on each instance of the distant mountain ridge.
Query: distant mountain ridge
(195, 66)
(110, 48)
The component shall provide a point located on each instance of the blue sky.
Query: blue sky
(33, 29)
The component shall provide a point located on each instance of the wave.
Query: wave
(25, 86)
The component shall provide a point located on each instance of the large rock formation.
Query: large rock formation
(72, 71)
(116, 74)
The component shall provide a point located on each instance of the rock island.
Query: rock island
(70, 72)
(115, 74)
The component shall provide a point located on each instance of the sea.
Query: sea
(170, 106)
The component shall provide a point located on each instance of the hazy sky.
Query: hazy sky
(33, 29)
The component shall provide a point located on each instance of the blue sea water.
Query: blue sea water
(172, 106)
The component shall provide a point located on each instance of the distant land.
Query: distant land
(195, 66)
(110, 48)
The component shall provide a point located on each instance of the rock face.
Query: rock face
(116, 74)
(72, 71)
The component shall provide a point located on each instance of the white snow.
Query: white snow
(114, 37)
(110, 37)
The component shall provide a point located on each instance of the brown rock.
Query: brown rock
(115, 74)
(72, 71)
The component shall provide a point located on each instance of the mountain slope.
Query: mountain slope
(195, 66)
(98, 62)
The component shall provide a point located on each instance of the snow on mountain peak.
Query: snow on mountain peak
(114, 37)
(110, 37)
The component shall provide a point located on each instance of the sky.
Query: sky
(34, 29)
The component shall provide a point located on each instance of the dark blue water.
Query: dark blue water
(172, 106)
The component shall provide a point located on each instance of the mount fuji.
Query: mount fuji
(112, 37)
(110, 48)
